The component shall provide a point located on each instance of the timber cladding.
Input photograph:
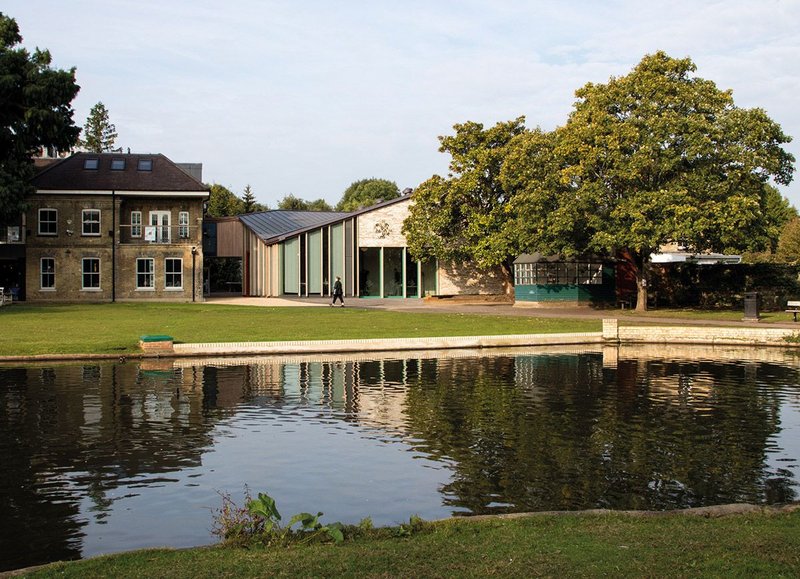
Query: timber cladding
(230, 234)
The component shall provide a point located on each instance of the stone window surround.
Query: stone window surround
(183, 224)
(48, 274)
(145, 275)
(87, 272)
(51, 222)
(177, 275)
(136, 223)
(86, 220)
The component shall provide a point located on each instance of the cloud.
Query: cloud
(308, 97)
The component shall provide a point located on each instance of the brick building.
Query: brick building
(111, 227)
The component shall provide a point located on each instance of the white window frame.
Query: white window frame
(93, 274)
(176, 275)
(51, 273)
(144, 275)
(136, 223)
(183, 225)
(53, 221)
(85, 214)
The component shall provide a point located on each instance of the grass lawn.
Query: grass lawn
(115, 328)
(692, 314)
(759, 545)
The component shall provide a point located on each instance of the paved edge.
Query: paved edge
(709, 512)
(612, 335)
(387, 344)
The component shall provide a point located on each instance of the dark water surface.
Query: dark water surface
(98, 458)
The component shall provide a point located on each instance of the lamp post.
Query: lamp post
(194, 280)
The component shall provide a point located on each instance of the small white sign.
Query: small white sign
(13, 234)
(149, 233)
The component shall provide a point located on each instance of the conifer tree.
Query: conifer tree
(99, 133)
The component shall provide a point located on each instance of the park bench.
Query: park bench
(793, 307)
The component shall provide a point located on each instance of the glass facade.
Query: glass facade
(369, 271)
(393, 272)
(558, 273)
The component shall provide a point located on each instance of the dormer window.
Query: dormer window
(117, 164)
(145, 165)
(91, 164)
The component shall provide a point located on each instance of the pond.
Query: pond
(102, 457)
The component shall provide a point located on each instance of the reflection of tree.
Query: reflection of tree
(551, 432)
(519, 433)
(73, 431)
(30, 521)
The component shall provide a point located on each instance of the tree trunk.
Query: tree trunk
(640, 269)
(508, 279)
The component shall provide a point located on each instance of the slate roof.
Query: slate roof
(273, 226)
(70, 175)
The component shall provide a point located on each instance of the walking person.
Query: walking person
(337, 291)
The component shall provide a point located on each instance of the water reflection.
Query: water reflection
(95, 454)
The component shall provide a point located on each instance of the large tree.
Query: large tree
(367, 192)
(463, 216)
(788, 250)
(655, 156)
(223, 203)
(99, 133)
(292, 203)
(35, 112)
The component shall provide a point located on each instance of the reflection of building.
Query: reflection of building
(301, 253)
(76, 434)
(105, 227)
(370, 391)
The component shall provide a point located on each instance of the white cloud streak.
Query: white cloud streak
(306, 97)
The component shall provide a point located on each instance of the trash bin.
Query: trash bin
(751, 306)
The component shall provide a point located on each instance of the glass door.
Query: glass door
(160, 220)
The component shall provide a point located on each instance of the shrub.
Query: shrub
(260, 522)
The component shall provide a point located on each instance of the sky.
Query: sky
(305, 97)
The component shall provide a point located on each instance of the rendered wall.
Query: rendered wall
(382, 227)
(466, 279)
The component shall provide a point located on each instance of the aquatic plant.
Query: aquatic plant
(259, 521)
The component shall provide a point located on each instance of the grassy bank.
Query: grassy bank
(705, 315)
(593, 545)
(115, 328)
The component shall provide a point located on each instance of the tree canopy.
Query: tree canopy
(99, 133)
(463, 216)
(789, 243)
(367, 192)
(292, 203)
(655, 156)
(222, 202)
(35, 112)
